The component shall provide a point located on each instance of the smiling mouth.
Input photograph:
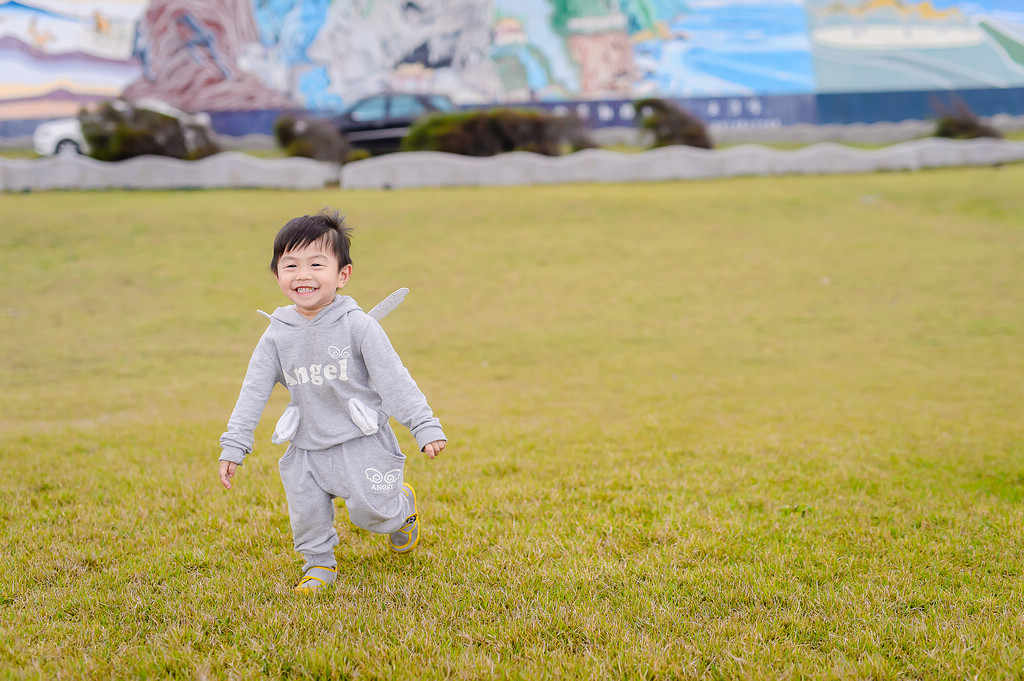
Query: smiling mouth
(304, 289)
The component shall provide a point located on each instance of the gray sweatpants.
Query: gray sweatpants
(365, 472)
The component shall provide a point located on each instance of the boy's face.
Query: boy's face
(310, 276)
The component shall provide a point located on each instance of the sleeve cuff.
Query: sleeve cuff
(428, 435)
(233, 455)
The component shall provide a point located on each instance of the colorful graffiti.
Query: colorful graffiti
(249, 55)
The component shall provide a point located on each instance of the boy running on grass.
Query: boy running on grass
(345, 380)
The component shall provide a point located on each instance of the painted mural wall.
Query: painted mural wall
(249, 55)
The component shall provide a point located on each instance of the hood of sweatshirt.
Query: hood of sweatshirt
(289, 316)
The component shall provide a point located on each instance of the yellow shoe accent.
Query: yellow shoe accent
(405, 538)
(310, 584)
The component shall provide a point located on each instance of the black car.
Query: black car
(379, 122)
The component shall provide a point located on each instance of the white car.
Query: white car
(60, 137)
(64, 136)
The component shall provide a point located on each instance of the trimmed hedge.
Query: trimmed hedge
(311, 138)
(119, 130)
(496, 131)
(959, 122)
(671, 124)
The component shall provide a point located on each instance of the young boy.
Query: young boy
(345, 379)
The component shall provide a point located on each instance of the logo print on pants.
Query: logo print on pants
(383, 481)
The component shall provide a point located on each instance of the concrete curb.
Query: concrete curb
(226, 170)
(434, 169)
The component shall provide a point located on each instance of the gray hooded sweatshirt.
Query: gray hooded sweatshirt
(342, 374)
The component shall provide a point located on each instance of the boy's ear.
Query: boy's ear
(343, 274)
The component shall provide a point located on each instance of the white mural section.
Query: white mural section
(55, 54)
(891, 45)
(426, 46)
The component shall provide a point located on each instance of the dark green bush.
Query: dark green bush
(310, 138)
(957, 121)
(495, 131)
(575, 133)
(671, 124)
(284, 130)
(119, 130)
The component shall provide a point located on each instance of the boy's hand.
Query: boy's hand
(434, 448)
(227, 471)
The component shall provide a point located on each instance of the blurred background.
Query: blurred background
(748, 69)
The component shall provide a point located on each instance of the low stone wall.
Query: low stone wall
(226, 170)
(433, 169)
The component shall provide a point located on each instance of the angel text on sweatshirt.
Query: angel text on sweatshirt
(344, 377)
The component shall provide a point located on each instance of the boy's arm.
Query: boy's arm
(401, 396)
(259, 382)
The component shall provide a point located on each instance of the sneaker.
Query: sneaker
(311, 583)
(404, 539)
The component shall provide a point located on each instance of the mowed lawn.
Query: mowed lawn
(754, 428)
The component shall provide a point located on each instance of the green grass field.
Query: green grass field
(750, 428)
